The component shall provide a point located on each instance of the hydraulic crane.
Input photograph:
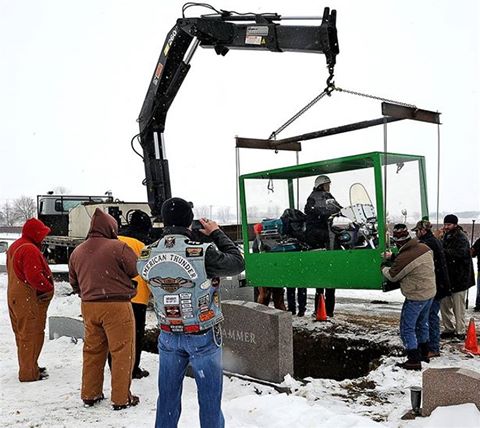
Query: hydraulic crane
(222, 31)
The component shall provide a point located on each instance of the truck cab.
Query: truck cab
(68, 217)
(53, 210)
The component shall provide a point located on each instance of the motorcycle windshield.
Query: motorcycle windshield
(359, 195)
(361, 209)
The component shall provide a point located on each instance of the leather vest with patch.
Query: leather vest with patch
(185, 299)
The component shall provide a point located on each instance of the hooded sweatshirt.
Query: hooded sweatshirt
(101, 268)
(29, 264)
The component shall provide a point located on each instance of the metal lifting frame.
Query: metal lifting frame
(391, 113)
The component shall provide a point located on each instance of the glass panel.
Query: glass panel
(68, 205)
(353, 193)
(266, 199)
(65, 205)
(403, 192)
(341, 182)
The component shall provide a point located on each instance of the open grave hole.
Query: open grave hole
(332, 351)
(325, 355)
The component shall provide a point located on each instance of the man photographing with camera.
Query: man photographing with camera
(184, 278)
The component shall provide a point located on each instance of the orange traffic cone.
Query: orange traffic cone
(471, 343)
(321, 314)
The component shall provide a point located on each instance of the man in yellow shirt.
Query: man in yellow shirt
(139, 306)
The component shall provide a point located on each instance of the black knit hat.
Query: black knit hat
(400, 233)
(450, 218)
(177, 212)
(139, 220)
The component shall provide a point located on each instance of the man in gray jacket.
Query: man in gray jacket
(413, 267)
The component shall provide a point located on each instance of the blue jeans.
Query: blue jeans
(434, 326)
(414, 323)
(205, 357)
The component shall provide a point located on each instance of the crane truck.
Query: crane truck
(69, 216)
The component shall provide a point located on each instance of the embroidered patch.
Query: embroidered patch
(170, 285)
(205, 316)
(189, 242)
(145, 253)
(169, 258)
(205, 285)
(169, 242)
(173, 311)
(204, 302)
(171, 300)
(194, 251)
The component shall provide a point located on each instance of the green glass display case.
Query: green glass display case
(396, 186)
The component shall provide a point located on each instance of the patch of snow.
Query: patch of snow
(56, 402)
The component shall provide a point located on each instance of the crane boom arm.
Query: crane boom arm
(221, 32)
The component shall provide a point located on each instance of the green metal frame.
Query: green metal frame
(359, 268)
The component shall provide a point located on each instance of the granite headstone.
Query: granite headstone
(258, 340)
(449, 387)
(65, 326)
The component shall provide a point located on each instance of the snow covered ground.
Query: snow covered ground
(56, 402)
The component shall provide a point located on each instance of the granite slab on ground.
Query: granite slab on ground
(65, 326)
(449, 387)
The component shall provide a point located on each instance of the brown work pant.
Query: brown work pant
(109, 327)
(28, 314)
(277, 295)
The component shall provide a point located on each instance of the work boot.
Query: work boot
(423, 347)
(132, 401)
(301, 313)
(447, 335)
(92, 401)
(433, 354)
(140, 373)
(413, 360)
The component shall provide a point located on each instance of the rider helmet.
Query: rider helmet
(322, 179)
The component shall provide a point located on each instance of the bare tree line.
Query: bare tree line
(17, 211)
(227, 215)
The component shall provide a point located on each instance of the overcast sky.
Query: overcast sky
(73, 77)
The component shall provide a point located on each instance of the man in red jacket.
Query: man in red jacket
(101, 270)
(30, 289)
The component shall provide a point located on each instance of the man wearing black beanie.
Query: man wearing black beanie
(460, 272)
(184, 278)
(177, 212)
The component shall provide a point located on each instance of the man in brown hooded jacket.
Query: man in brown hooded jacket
(101, 269)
